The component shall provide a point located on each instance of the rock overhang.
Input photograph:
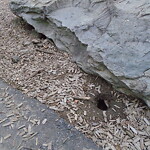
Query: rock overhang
(108, 38)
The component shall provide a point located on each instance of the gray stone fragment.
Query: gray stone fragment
(15, 59)
(106, 37)
(26, 43)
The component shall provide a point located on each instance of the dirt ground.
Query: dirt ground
(32, 64)
(23, 127)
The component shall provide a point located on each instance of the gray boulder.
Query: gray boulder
(110, 38)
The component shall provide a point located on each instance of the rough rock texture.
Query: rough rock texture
(106, 37)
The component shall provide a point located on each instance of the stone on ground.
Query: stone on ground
(106, 37)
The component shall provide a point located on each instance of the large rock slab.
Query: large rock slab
(110, 38)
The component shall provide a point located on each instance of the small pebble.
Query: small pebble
(15, 59)
(26, 43)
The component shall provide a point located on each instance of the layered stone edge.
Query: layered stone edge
(53, 29)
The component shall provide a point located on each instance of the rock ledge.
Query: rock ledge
(106, 37)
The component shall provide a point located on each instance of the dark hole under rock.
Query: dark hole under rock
(101, 104)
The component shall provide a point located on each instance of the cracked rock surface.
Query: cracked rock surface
(106, 37)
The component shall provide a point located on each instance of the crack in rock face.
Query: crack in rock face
(106, 37)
